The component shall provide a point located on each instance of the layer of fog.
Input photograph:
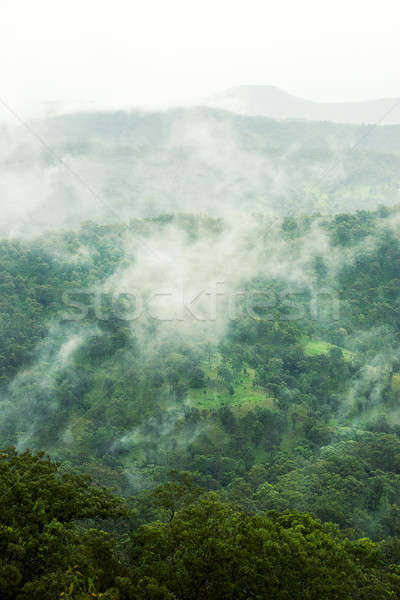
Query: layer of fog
(109, 167)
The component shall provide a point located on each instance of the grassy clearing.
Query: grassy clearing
(215, 394)
(318, 347)
(244, 397)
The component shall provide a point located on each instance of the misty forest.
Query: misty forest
(199, 357)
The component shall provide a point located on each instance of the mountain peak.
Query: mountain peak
(271, 101)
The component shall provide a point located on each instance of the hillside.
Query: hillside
(233, 377)
(295, 378)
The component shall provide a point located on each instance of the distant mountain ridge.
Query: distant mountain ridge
(270, 101)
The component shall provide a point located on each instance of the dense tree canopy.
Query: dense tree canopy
(53, 545)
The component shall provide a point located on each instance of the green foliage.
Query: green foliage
(210, 550)
(39, 541)
(206, 549)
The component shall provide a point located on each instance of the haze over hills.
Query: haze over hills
(146, 163)
(270, 101)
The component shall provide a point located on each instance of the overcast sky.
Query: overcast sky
(154, 52)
